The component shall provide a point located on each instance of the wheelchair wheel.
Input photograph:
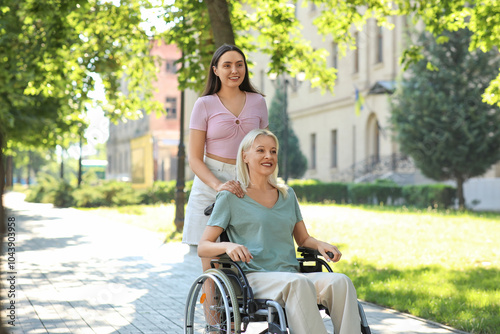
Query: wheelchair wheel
(209, 307)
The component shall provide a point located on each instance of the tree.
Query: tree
(481, 17)
(438, 115)
(198, 27)
(50, 54)
(297, 162)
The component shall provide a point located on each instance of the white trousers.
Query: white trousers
(301, 293)
(202, 196)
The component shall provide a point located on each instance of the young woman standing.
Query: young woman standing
(228, 109)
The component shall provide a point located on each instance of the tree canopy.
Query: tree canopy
(271, 27)
(439, 117)
(51, 52)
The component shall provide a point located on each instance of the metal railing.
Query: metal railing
(375, 167)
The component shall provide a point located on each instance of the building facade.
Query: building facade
(340, 141)
(145, 150)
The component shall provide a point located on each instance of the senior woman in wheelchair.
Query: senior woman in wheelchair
(262, 226)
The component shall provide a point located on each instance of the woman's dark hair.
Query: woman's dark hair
(213, 82)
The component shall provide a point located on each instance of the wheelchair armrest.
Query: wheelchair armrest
(312, 256)
(309, 253)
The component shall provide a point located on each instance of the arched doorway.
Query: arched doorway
(372, 142)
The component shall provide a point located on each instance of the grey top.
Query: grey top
(266, 232)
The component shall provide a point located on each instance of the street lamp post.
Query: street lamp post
(294, 84)
(181, 158)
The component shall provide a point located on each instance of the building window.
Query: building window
(333, 163)
(335, 55)
(171, 107)
(170, 66)
(356, 52)
(380, 45)
(119, 162)
(313, 151)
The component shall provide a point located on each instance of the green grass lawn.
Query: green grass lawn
(438, 265)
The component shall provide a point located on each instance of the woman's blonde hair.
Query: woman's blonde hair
(242, 168)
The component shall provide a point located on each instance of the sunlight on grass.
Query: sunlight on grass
(423, 239)
(440, 266)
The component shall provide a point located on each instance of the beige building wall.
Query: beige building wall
(364, 143)
(322, 119)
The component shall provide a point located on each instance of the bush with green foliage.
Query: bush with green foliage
(50, 189)
(160, 192)
(119, 193)
(113, 193)
(380, 192)
(63, 195)
(433, 195)
(88, 197)
(109, 193)
(317, 191)
(96, 193)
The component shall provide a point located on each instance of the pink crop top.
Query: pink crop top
(224, 130)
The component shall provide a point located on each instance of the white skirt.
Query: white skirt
(202, 196)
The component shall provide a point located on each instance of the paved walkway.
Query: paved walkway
(78, 273)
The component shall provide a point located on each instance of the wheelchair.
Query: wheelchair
(221, 300)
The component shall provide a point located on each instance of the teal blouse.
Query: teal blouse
(266, 232)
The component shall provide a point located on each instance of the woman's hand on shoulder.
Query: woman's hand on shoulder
(238, 252)
(232, 186)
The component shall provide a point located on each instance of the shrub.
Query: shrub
(379, 192)
(50, 189)
(118, 193)
(109, 193)
(160, 192)
(63, 195)
(429, 195)
(88, 197)
(36, 192)
(317, 191)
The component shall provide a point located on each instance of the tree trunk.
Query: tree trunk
(2, 214)
(218, 10)
(28, 176)
(460, 192)
(9, 172)
(80, 161)
(2, 188)
(181, 165)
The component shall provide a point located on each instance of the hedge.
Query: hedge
(379, 192)
(373, 193)
(434, 195)
(317, 191)
(113, 193)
